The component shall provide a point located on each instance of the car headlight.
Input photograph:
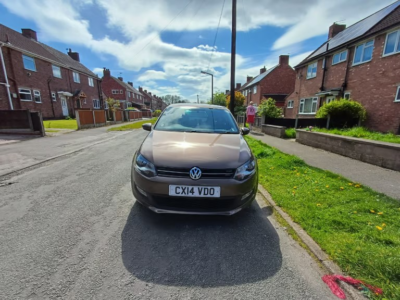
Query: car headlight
(246, 170)
(144, 166)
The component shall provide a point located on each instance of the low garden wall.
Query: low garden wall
(382, 154)
(278, 131)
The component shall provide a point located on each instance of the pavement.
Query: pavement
(70, 228)
(35, 150)
(379, 179)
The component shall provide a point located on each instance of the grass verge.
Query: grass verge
(132, 126)
(357, 227)
(61, 124)
(52, 130)
(290, 133)
(361, 132)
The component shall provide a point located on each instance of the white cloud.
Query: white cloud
(152, 75)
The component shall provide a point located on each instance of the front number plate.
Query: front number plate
(194, 191)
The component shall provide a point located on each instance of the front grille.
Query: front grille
(197, 204)
(205, 173)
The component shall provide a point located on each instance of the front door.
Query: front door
(64, 106)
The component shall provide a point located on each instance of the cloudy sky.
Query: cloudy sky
(163, 45)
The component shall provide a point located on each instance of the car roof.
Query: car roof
(197, 105)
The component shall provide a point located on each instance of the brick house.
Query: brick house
(117, 89)
(276, 82)
(152, 101)
(41, 78)
(361, 63)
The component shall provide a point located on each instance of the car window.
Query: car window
(195, 119)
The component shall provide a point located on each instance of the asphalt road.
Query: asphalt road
(71, 229)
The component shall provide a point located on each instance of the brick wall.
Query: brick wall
(108, 84)
(43, 81)
(373, 84)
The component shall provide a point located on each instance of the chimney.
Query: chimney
(249, 78)
(238, 86)
(120, 78)
(150, 93)
(140, 89)
(262, 70)
(29, 33)
(130, 83)
(73, 55)
(283, 60)
(227, 92)
(145, 91)
(106, 72)
(334, 29)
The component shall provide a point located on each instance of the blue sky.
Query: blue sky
(163, 45)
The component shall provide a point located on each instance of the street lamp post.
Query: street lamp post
(212, 85)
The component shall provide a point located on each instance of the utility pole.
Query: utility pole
(233, 57)
(197, 99)
(212, 85)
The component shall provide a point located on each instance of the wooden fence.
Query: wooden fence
(97, 118)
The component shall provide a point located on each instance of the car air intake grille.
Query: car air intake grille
(205, 173)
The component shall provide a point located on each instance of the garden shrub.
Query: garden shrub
(343, 109)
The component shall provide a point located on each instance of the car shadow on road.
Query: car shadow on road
(205, 251)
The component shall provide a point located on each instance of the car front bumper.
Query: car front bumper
(154, 194)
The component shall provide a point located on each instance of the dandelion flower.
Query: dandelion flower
(295, 187)
(379, 227)
(380, 213)
(383, 224)
(350, 183)
(342, 188)
(317, 190)
(354, 212)
(357, 185)
(371, 210)
(318, 204)
(327, 186)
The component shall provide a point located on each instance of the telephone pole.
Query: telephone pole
(233, 57)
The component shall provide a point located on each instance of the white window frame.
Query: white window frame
(105, 105)
(53, 96)
(312, 68)
(114, 92)
(363, 50)
(255, 89)
(396, 45)
(54, 67)
(28, 58)
(129, 94)
(36, 93)
(329, 99)
(25, 92)
(397, 96)
(340, 55)
(76, 77)
(290, 104)
(347, 93)
(90, 81)
(314, 100)
(96, 104)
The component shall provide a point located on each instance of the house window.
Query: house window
(129, 94)
(308, 106)
(290, 104)
(90, 80)
(255, 89)
(53, 96)
(245, 92)
(76, 77)
(312, 70)
(105, 105)
(392, 44)
(96, 103)
(114, 92)
(29, 63)
(121, 92)
(25, 95)
(36, 96)
(397, 95)
(56, 71)
(347, 95)
(339, 57)
(363, 52)
(330, 99)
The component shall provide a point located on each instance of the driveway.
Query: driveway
(71, 229)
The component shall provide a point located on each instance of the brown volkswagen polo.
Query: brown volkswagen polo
(195, 161)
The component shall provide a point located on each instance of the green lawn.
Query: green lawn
(132, 126)
(361, 132)
(61, 124)
(356, 226)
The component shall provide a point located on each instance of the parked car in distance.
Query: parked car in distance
(195, 161)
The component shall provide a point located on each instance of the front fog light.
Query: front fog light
(246, 196)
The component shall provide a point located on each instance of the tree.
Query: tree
(113, 104)
(239, 99)
(219, 99)
(169, 99)
(268, 109)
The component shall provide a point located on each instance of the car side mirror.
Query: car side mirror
(245, 131)
(147, 126)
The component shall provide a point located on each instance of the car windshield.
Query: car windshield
(197, 119)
